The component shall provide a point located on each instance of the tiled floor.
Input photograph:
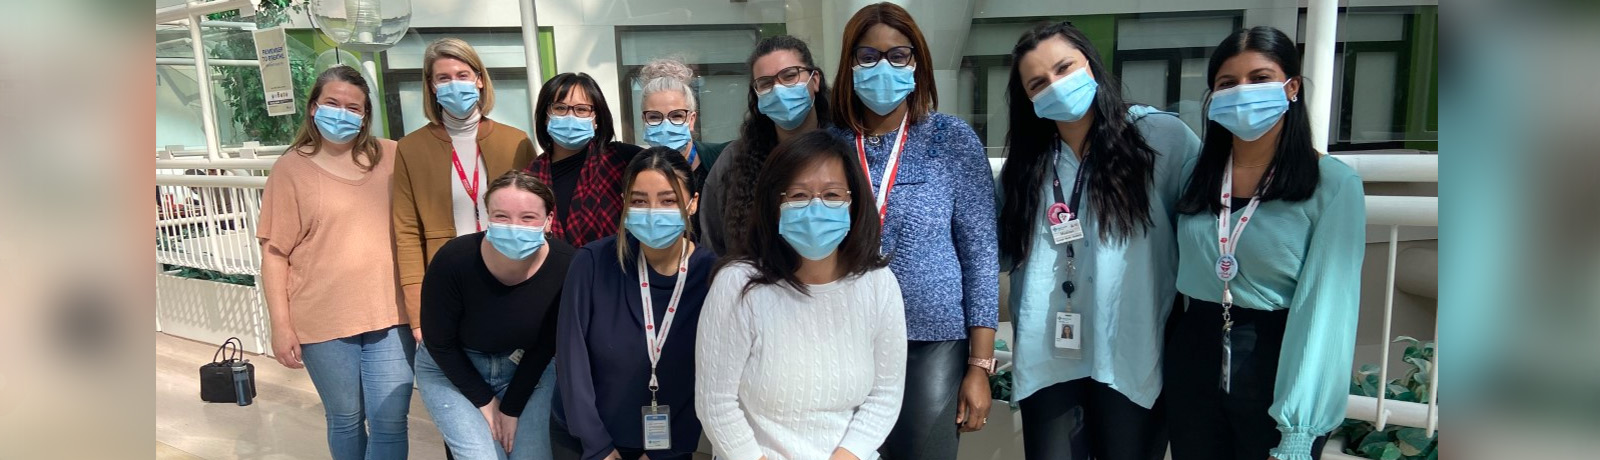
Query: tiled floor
(285, 422)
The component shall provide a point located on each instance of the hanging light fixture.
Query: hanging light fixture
(366, 26)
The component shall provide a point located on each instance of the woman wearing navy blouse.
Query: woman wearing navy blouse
(935, 195)
(629, 313)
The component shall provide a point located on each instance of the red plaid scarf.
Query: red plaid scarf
(597, 201)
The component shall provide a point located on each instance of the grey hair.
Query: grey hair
(668, 75)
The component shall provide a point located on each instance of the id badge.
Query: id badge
(1068, 335)
(657, 428)
(516, 357)
(1066, 232)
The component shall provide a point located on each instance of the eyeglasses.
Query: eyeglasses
(578, 110)
(799, 198)
(789, 76)
(677, 117)
(899, 56)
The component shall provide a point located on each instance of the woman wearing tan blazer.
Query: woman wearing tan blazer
(441, 167)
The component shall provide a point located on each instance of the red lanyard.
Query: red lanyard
(1228, 242)
(471, 188)
(890, 169)
(655, 339)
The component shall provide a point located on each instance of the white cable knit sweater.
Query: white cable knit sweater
(791, 377)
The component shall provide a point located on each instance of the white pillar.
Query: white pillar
(530, 52)
(202, 75)
(1321, 26)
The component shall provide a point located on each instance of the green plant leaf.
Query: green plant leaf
(1369, 369)
(1390, 452)
(1413, 441)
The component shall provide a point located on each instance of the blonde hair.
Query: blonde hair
(458, 49)
(668, 75)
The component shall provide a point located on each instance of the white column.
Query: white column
(1321, 27)
(530, 51)
(202, 75)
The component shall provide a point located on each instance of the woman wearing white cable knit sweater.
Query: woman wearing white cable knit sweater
(801, 351)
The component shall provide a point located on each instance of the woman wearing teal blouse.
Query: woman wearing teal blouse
(1089, 306)
(1270, 240)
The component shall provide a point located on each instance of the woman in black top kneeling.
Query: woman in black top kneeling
(489, 304)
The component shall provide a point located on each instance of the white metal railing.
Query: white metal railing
(207, 209)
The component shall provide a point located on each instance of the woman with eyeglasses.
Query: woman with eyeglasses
(1270, 241)
(801, 350)
(581, 161)
(1089, 196)
(629, 315)
(933, 191)
(787, 97)
(671, 111)
(440, 170)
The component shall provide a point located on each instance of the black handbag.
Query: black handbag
(232, 379)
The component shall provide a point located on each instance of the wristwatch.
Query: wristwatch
(987, 364)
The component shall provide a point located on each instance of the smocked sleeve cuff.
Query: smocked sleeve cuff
(1295, 445)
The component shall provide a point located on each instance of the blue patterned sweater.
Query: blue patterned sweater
(940, 230)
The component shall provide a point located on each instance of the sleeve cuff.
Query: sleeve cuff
(1295, 444)
(862, 448)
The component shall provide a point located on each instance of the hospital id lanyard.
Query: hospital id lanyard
(1228, 265)
(890, 169)
(471, 188)
(655, 339)
(1071, 209)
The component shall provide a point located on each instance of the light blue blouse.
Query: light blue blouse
(1124, 288)
(1305, 257)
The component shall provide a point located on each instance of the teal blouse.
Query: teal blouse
(1125, 288)
(1304, 257)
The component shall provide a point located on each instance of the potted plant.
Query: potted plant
(1363, 439)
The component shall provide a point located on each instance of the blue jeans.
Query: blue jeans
(462, 424)
(365, 384)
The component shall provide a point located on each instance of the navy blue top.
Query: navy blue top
(604, 371)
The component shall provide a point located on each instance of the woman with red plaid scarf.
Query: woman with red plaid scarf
(581, 161)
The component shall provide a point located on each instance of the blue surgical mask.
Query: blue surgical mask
(813, 228)
(883, 87)
(1249, 111)
(570, 131)
(787, 106)
(1068, 98)
(458, 97)
(667, 135)
(655, 227)
(337, 125)
(515, 241)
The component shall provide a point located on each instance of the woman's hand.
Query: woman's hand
(839, 453)
(508, 430)
(491, 413)
(972, 411)
(416, 334)
(286, 348)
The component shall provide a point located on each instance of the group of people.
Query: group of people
(573, 296)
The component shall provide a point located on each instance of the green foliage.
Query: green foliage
(208, 275)
(241, 86)
(1000, 383)
(1415, 385)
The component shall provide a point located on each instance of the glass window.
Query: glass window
(501, 50)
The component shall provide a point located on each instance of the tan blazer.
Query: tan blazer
(423, 221)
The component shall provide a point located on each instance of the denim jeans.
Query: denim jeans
(365, 384)
(465, 431)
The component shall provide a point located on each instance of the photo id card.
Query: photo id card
(657, 428)
(516, 357)
(1067, 333)
(1066, 232)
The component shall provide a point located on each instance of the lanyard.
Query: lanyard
(693, 153)
(890, 169)
(471, 188)
(1077, 193)
(1228, 265)
(655, 339)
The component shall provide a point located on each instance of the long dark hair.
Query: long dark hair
(923, 100)
(557, 89)
(1294, 167)
(1118, 162)
(758, 136)
(669, 163)
(366, 146)
(775, 261)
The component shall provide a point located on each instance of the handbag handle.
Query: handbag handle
(222, 351)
